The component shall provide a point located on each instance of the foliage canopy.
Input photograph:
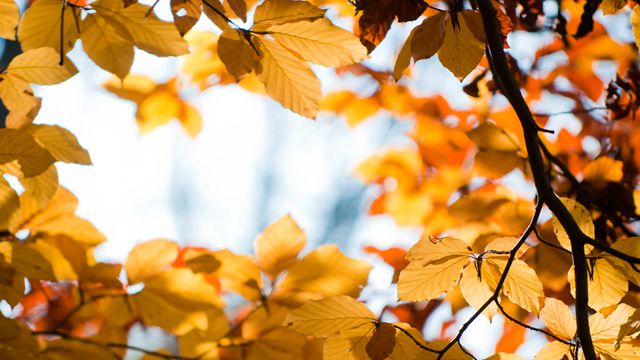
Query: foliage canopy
(564, 264)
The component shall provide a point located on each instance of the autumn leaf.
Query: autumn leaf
(433, 269)
(9, 19)
(238, 55)
(149, 259)
(278, 246)
(319, 42)
(185, 14)
(582, 216)
(20, 147)
(323, 318)
(108, 43)
(461, 50)
(60, 142)
(288, 79)
(275, 12)
(41, 26)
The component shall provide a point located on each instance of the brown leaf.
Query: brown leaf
(381, 344)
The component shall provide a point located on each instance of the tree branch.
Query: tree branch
(501, 71)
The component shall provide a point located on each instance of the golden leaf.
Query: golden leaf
(382, 342)
(10, 15)
(476, 289)
(272, 12)
(582, 216)
(108, 43)
(238, 55)
(558, 318)
(428, 37)
(320, 42)
(42, 187)
(60, 142)
(149, 259)
(607, 285)
(606, 327)
(631, 247)
(288, 79)
(348, 344)
(41, 24)
(522, 285)
(326, 317)
(186, 13)
(239, 7)
(26, 260)
(239, 273)
(147, 31)
(404, 57)
(17, 96)
(278, 246)
(555, 350)
(41, 66)
(603, 169)
(426, 281)
(324, 271)
(19, 146)
(461, 51)
(9, 204)
(62, 268)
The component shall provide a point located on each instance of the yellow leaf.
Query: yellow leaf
(278, 246)
(18, 119)
(495, 164)
(74, 227)
(406, 347)
(630, 327)
(108, 43)
(455, 353)
(607, 285)
(488, 136)
(149, 259)
(624, 351)
(320, 42)
(404, 57)
(9, 204)
(10, 15)
(239, 273)
(434, 268)
(558, 318)
(26, 260)
(201, 261)
(428, 37)
(177, 300)
(41, 24)
(269, 339)
(631, 247)
(272, 12)
(147, 31)
(460, 52)
(239, 7)
(134, 87)
(42, 187)
(606, 327)
(323, 272)
(610, 7)
(522, 285)
(324, 318)
(635, 24)
(582, 216)
(476, 290)
(603, 169)
(348, 344)
(555, 350)
(17, 95)
(198, 342)
(426, 281)
(185, 14)
(238, 55)
(61, 143)
(382, 342)
(215, 16)
(18, 145)
(62, 268)
(288, 79)
(41, 66)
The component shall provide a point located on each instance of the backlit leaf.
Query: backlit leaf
(558, 318)
(461, 51)
(582, 216)
(20, 146)
(323, 318)
(272, 12)
(278, 246)
(108, 43)
(8, 19)
(150, 258)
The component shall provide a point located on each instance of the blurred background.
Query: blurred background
(252, 163)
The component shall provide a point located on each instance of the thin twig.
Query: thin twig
(64, 7)
(527, 326)
(573, 112)
(418, 343)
